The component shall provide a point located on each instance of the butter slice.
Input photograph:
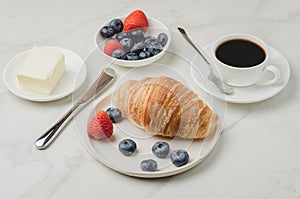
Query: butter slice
(41, 70)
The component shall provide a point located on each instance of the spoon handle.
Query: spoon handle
(184, 34)
(225, 88)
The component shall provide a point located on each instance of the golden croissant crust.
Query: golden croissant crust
(164, 106)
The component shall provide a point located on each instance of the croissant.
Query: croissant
(164, 106)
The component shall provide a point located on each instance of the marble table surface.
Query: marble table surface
(256, 157)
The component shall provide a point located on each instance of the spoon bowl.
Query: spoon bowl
(225, 88)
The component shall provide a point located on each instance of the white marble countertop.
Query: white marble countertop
(256, 157)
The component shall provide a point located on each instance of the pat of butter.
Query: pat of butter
(41, 70)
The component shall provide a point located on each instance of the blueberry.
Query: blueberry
(160, 149)
(121, 36)
(114, 113)
(138, 47)
(119, 54)
(149, 165)
(162, 38)
(107, 32)
(116, 25)
(136, 35)
(127, 44)
(132, 56)
(142, 55)
(154, 47)
(148, 54)
(127, 147)
(149, 39)
(179, 157)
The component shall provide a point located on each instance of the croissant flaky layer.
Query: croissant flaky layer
(164, 106)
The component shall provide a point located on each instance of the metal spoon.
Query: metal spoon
(47, 138)
(225, 88)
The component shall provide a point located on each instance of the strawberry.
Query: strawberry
(112, 45)
(100, 126)
(136, 20)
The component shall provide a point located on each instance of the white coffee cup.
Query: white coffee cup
(245, 76)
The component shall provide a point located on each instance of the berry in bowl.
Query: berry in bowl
(133, 41)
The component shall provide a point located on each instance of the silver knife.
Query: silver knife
(48, 137)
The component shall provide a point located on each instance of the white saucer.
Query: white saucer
(248, 94)
(72, 79)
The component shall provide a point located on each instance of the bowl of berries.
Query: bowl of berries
(134, 40)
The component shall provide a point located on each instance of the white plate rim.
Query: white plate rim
(230, 98)
(31, 96)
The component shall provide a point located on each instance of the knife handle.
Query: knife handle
(47, 138)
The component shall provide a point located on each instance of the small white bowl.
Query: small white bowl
(155, 27)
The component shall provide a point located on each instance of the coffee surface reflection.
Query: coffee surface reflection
(240, 53)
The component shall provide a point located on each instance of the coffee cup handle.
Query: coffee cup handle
(269, 69)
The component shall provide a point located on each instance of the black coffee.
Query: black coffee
(240, 53)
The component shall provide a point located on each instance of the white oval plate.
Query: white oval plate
(106, 151)
(155, 27)
(242, 95)
(72, 79)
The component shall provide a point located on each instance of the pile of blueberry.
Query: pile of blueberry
(136, 44)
